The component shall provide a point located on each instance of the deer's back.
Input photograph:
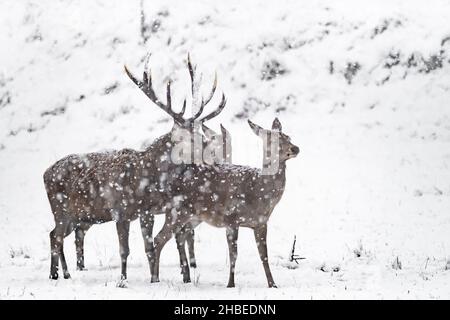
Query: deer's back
(231, 194)
(95, 186)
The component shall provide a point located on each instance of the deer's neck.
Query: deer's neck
(280, 176)
(274, 174)
(281, 172)
(272, 164)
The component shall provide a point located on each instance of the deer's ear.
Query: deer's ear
(225, 132)
(256, 129)
(208, 132)
(276, 125)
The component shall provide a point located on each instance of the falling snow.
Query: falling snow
(367, 197)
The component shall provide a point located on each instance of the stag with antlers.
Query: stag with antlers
(121, 185)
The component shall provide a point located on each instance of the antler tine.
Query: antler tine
(217, 111)
(145, 86)
(177, 116)
(205, 102)
(213, 90)
(145, 78)
(198, 113)
(168, 96)
(191, 73)
(181, 113)
(193, 88)
(132, 77)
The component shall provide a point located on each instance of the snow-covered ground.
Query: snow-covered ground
(363, 89)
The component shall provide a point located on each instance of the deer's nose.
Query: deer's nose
(295, 150)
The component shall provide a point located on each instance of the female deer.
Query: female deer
(231, 196)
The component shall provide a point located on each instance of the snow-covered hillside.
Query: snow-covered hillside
(362, 88)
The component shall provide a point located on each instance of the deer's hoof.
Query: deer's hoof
(154, 280)
(188, 280)
(67, 275)
(53, 276)
(230, 285)
(122, 283)
(193, 265)
(273, 285)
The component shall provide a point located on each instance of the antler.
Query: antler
(146, 86)
(204, 102)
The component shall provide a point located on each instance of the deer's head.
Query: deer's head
(275, 141)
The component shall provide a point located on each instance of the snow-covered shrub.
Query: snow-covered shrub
(271, 70)
(251, 107)
(385, 25)
(360, 251)
(351, 70)
(18, 252)
(324, 267)
(5, 99)
(397, 264)
(447, 264)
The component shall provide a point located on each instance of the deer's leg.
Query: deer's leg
(261, 242)
(190, 235)
(63, 263)
(180, 237)
(80, 232)
(232, 236)
(68, 231)
(56, 244)
(186, 234)
(54, 253)
(147, 220)
(160, 240)
(123, 231)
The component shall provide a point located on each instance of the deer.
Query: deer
(221, 152)
(119, 185)
(217, 142)
(231, 196)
